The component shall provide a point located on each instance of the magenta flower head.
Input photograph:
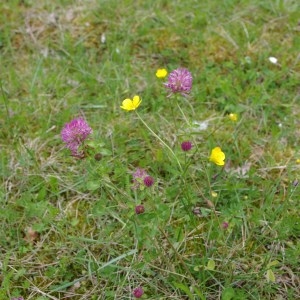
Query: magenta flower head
(138, 292)
(225, 225)
(141, 179)
(148, 181)
(186, 146)
(74, 134)
(139, 209)
(179, 81)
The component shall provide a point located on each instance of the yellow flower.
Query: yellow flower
(217, 156)
(161, 73)
(233, 117)
(129, 104)
(298, 161)
(214, 194)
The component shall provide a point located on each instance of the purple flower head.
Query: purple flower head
(141, 178)
(186, 146)
(139, 209)
(148, 181)
(138, 292)
(74, 134)
(225, 225)
(138, 177)
(179, 81)
(18, 298)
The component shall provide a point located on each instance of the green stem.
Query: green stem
(4, 100)
(168, 147)
(185, 118)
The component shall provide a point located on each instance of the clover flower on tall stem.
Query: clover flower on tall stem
(179, 81)
(74, 134)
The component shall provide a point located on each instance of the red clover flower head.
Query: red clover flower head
(141, 178)
(139, 209)
(138, 292)
(225, 225)
(186, 146)
(179, 81)
(74, 134)
(148, 181)
(18, 298)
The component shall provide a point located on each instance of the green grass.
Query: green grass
(68, 226)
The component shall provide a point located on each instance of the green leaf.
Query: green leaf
(228, 293)
(198, 292)
(93, 185)
(105, 152)
(270, 276)
(272, 263)
(184, 288)
(210, 265)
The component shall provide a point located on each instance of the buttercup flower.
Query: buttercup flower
(214, 194)
(74, 134)
(298, 161)
(161, 73)
(138, 292)
(180, 81)
(186, 146)
(217, 156)
(233, 117)
(133, 104)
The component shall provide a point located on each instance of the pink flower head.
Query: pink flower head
(225, 225)
(74, 134)
(141, 178)
(18, 298)
(186, 146)
(148, 181)
(179, 81)
(139, 209)
(138, 292)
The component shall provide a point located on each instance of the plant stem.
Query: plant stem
(168, 147)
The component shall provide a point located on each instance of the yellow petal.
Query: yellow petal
(161, 73)
(136, 102)
(217, 156)
(214, 194)
(127, 104)
(233, 117)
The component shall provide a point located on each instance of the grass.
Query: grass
(68, 226)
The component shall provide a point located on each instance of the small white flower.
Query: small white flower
(273, 60)
(200, 125)
(103, 38)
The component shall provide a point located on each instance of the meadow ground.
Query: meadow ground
(72, 228)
